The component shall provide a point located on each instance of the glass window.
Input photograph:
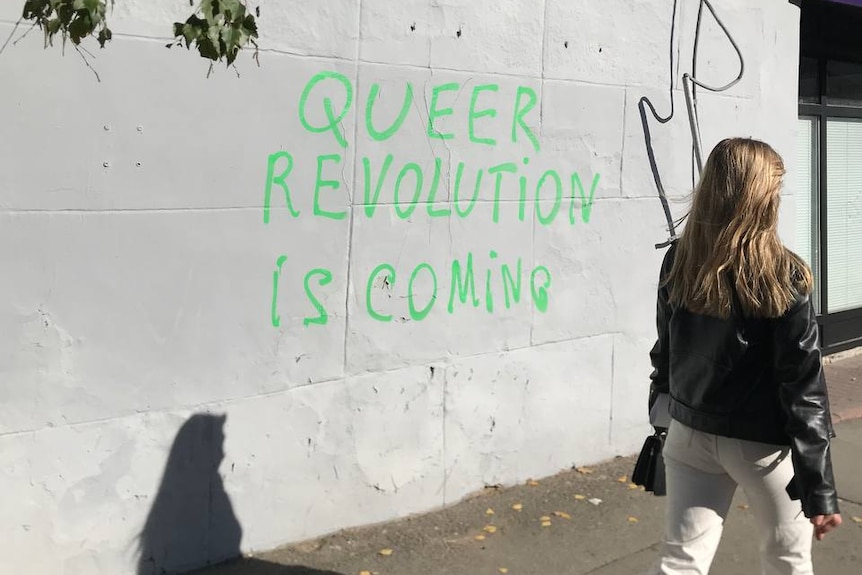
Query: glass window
(807, 199)
(844, 83)
(809, 88)
(844, 213)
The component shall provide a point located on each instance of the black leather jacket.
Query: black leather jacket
(752, 379)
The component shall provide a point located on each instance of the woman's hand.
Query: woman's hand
(823, 524)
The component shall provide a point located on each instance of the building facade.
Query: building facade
(411, 254)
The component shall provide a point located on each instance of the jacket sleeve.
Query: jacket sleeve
(660, 353)
(804, 399)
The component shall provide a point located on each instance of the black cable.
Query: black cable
(690, 85)
(645, 103)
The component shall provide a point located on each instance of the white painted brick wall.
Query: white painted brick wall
(138, 272)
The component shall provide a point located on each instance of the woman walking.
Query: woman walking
(738, 353)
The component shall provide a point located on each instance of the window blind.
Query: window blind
(806, 197)
(844, 213)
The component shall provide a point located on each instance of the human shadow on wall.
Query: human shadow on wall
(191, 522)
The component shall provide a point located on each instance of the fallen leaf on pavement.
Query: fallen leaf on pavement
(544, 518)
(503, 570)
(490, 528)
(480, 537)
(532, 483)
(623, 479)
(584, 470)
(546, 523)
(489, 511)
(743, 506)
(580, 497)
(517, 506)
(595, 501)
(856, 519)
(365, 573)
(633, 519)
(385, 552)
(562, 514)
(632, 486)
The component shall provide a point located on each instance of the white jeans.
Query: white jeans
(703, 471)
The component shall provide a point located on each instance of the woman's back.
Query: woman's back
(724, 374)
(737, 351)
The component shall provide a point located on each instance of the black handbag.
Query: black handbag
(649, 469)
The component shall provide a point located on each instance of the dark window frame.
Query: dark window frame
(823, 28)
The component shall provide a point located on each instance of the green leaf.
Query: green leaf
(197, 22)
(53, 26)
(191, 34)
(213, 33)
(207, 9)
(235, 7)
(30, 9)
(105, 35)
(250, 26)
(65, 13)
(233, 38)
(207, 49)
(234, 10)
(79, 28)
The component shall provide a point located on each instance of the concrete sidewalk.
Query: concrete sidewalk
(844, 379)
(551, 527)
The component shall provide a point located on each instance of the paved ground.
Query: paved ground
(844, 378)
(618, 536)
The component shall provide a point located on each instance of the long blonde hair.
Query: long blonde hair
(730, 240)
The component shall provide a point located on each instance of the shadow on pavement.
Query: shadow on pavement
(258, 567)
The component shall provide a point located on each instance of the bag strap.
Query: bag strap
(736, 310)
